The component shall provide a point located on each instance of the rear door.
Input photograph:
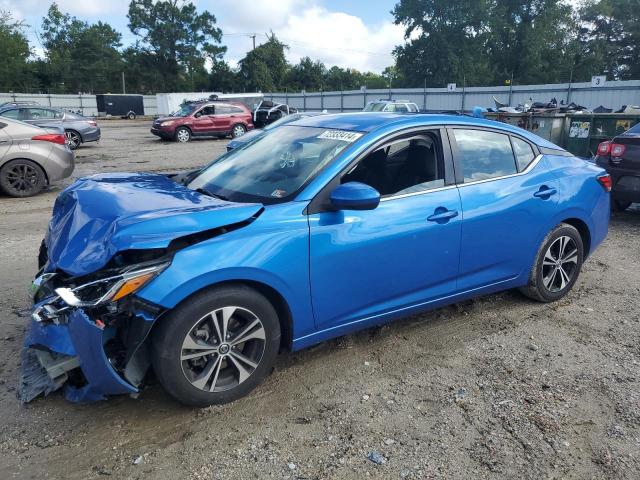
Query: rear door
(223, 118)
(5, 140)
(366, 264)
(508, 199)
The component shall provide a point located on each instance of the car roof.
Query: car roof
(370, 121)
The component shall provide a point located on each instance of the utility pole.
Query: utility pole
(124, 91)
(253, 37)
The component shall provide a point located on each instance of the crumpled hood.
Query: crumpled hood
(98, 216)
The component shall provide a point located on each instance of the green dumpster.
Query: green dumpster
(584, 132)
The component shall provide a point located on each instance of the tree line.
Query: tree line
(472, 42)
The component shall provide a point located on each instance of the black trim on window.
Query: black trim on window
(553, 151)
(456, 156)
(320, 203)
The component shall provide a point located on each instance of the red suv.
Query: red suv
(204, 119)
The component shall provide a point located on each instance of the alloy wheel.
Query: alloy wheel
(238, 131)
(183, 135)
(22, 178)
(73, 139)
(222, 349)
(560, 264)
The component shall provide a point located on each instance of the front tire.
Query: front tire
(217, 346)
(22, 178)
(183, 135)
(557, 265)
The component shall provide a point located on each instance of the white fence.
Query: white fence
(611, 95)
(84, 104)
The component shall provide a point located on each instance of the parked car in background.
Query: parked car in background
(398, 106)
(268, 112)
(620, 157)
(204, 119)
(259, 132)
(325, 226)
(32, 157)
(78, 129)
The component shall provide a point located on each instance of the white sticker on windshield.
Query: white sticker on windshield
(341, 135)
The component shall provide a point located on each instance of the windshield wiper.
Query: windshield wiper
(210, 194)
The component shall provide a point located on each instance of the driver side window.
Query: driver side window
(403, 166)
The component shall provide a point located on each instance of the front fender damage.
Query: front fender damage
(86, 358)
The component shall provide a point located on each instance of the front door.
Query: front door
(203, 121)
(366, 264)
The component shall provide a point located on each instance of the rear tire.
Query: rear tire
(197, 361)
(557, 265)
(619, 206)
(183, 135)
(74, 140)
(22, 178)
(238, 130)
(131, 116)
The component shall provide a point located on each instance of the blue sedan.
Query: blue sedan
(322, 227)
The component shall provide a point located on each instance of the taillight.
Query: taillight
(617, 150)
(604, 148)
(58, 138)
(605, 181)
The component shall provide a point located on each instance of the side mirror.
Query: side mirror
(355, 196)
(198, 114)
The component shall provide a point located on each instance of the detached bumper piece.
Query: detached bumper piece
(53, 354)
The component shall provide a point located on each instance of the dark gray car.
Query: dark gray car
(77, 128)
(32, 157)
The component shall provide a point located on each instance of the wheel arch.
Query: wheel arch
(44, 170)
(75, 131)
(276, 299)
(584, 231)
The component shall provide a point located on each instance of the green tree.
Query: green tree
(610, 38)
(265, 67)
(222, 78)
(177, 38)
(15, 70)
(306, 75)
(80, 57)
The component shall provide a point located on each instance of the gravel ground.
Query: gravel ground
(498, 387)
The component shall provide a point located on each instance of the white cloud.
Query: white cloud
(85, 8)
(335, 38)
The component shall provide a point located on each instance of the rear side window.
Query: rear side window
(40, 113)
(233, 109)
(635, 129)
(11, 113)
(524, 153)
(484, 155)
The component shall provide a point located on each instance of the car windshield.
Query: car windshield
(374, 107)
(274, 168)
(185, 110)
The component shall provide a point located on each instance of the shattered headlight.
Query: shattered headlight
(110, 289)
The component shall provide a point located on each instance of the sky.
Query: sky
(355, 34)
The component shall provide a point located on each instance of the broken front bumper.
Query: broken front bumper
(70, 353)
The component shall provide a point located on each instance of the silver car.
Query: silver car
(77, 128)
(32, 157)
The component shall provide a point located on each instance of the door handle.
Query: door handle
(545, 192)
(442, 215)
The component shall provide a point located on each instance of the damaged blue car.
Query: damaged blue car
(322, 227)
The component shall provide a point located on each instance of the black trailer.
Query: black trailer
(125, 106)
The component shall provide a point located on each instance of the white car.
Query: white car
(399, 106)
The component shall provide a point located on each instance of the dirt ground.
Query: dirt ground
(499, 387)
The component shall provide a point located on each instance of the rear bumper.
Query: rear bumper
(61, 163)
(91, 135)
(626, 182)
